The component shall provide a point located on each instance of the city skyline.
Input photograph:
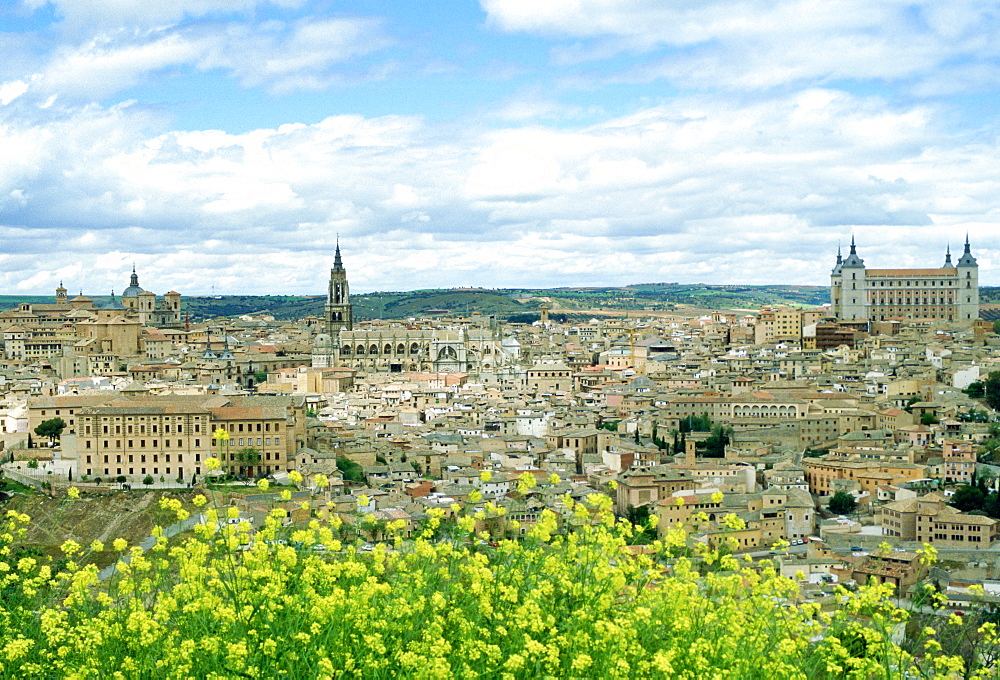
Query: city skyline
(223, 146)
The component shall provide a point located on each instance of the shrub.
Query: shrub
(219, 603)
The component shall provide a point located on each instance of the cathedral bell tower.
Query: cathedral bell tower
(339, 315)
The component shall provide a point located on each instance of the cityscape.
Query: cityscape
(498, 339)
(840, 442)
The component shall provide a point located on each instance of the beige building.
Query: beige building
(929, 519)
(642, 486)
(948, 293)
(823, 472)
(171, 436)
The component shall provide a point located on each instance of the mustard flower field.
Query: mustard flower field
(569, 599)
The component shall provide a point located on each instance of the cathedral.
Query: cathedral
(397, 348)
(946, 293)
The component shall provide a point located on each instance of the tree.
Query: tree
(842, 503)
(147, 480)
(976, 390)
(51, 428)
(928, 418)
(968, 497)
(352, 471)
(991, 390)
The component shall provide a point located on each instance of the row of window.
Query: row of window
(145, 471)
(154, 444)
(959, 537)
(129, 429)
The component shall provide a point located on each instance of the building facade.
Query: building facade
(948, 293)
(399, 348)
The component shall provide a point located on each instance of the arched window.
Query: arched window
(373, 350)
(361, 350)
(414, 348)
(400, 349)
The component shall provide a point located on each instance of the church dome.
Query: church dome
(133, 289)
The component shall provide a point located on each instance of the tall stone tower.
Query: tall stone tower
(339, 311)
(848, 287)
(967, 298)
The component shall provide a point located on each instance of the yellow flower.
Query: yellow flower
(97, 546)
(362, 501)
(119, 544)
(263, 484)
(553, 479)
(321, 481)
(70, 547)
(73, 492)
(221, 435)
(485, 475)
(295, 476)
(199, 500)
(213, 463)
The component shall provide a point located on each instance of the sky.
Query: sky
(224, 146)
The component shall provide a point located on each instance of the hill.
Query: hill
(520, 304)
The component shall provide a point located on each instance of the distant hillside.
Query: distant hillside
(520, 304)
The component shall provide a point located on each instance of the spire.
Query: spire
(947, 258)
(337, 263)
(839, 258)
(135, 278)
(852, 260)
(967, 260)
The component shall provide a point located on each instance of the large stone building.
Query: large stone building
(162, 313)
(172, 436)
(948, 293)
(399, 348)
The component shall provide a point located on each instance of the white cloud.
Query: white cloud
(308, 53)
(701, 188)
(761, 43)
(11, 90)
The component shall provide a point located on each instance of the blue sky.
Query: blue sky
(499, 143)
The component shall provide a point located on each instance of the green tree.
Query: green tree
(976, 390)
(928, 418)
(352, 471)
(968, 497)
(991, 390)
(147, 480)
(51, 428)
(842, 503)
